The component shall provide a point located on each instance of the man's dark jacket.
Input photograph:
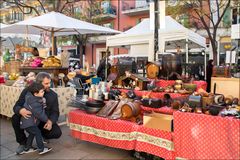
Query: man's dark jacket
(52, 109)
(35, 105)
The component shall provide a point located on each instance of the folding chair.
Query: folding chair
(79, 86)
(95, 80)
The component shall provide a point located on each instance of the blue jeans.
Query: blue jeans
(34, 131)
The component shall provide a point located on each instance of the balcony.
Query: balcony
(140, 8)
(4, 6)
(108, 12)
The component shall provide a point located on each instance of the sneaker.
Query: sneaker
(30, 150)
(22, 150)
(45, 150)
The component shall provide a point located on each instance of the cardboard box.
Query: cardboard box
(158, 121)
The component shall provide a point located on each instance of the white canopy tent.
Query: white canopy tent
(141, 35)
(57, 24)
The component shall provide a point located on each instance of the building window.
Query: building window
(77, 10)
(236, 15)
(227, 18)
(109, 25)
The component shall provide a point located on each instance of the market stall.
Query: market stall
(155, 118)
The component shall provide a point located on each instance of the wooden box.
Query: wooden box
(221, 71)
(129, 81)
(158, 121)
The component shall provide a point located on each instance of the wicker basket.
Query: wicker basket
(12, 66)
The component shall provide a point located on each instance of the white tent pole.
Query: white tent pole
(218, 52)
(53, 48)
(205, 65)
(27, 37)
(187, 50)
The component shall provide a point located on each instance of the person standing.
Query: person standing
(50, 129)
(102, 67)
(209, 74)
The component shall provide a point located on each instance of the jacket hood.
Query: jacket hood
(29, 98)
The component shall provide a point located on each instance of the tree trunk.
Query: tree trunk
(214, 51)
(81, 52)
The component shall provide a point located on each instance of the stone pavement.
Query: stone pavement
(64, 148)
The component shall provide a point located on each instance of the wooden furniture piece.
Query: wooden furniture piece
(221, 71)
(133, 80)
(226, 86)
(54, 70)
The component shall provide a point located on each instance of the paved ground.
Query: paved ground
(64, 148)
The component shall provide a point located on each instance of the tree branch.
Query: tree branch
(218, 10)
(224, 11)
(23, 5)
(205, 26)
(42, 6)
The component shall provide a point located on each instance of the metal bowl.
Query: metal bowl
(92, 110)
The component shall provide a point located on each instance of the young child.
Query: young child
(34, 102)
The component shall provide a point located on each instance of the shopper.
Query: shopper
(35, 103)
(50, 129)
(209, 74)
(101, 69)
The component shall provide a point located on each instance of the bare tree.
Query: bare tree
(203, 12)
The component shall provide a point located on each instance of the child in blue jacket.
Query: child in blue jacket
(35, 102)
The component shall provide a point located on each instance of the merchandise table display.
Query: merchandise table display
(9, 95)
(195, 136)
(165, 83)
(154, 94)
(199, 136)
(120, 134)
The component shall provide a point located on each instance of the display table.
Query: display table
(54, 70)
(226, 86)
(120, 134)
(9, 95)
(196, 136)
(199, 136)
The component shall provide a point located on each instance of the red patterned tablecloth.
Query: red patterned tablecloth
(164, 83)
(165, 110)
(206, 137)
(120, 134)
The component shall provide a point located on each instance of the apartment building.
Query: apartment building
(124, 14)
